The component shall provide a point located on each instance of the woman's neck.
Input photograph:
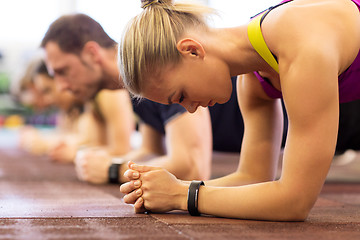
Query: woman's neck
(233, 46)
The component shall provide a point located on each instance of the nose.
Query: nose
(190, 106)
(48, 101)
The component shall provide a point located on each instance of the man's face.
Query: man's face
(73, 72)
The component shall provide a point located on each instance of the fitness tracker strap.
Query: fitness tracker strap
(193, 195)
(114, 168)
(114, 173)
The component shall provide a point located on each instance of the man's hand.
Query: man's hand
(92, 165)
(63, 152)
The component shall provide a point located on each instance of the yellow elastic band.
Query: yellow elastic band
(148, 4)
(257, 41)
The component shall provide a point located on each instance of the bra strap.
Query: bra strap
(258, 42)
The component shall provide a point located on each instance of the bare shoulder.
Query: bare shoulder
(108, 98)
(320, 25)
(299, 15)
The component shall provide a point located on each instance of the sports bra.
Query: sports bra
(349, 80)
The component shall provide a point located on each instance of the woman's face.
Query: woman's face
(52, 94)
(45, 86)
(192, 83)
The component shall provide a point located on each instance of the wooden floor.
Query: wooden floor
(40, 199)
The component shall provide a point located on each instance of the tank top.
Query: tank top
(349, 80)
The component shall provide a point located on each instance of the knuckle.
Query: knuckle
(144, 187)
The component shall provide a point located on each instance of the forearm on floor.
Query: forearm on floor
(272, 201)
(232, 180)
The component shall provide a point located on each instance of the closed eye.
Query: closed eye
(60, 71)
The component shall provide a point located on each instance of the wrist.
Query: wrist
(183, 196)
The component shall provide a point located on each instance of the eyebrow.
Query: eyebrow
(170, 97)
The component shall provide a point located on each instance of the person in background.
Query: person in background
(37, 91)
(74, 120)
(25, 92)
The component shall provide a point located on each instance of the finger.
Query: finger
(59, 146)
(139, 205)
(133, 196)
(131, 174)
(130, 186)
(130, 163)
(80, 171)
(142, 168)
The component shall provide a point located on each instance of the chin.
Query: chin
(224, 99)
(93, 94)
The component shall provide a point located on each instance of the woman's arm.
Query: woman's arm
(313, 116)
(152, 146)
(262, 136)
(188, 146)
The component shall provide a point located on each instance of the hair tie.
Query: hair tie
(148, 4)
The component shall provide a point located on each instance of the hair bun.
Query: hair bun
(146, 3)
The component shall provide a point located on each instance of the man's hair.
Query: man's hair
(72, 32)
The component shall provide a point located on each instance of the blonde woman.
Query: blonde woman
(304, 51)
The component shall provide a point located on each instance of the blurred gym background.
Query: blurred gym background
(23, 23)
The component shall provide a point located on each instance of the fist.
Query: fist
(92, 165)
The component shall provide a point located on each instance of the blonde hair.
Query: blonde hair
(149, 42)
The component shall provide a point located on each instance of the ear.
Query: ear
(91, 52)
(190, 48)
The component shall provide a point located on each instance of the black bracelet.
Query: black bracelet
(114, 173)
(193, 195)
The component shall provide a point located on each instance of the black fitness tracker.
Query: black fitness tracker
(114, 168)
(193, 195)
(114, 173)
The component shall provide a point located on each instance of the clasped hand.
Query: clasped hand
(153, 189)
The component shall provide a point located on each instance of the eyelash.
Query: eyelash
(181, 98)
